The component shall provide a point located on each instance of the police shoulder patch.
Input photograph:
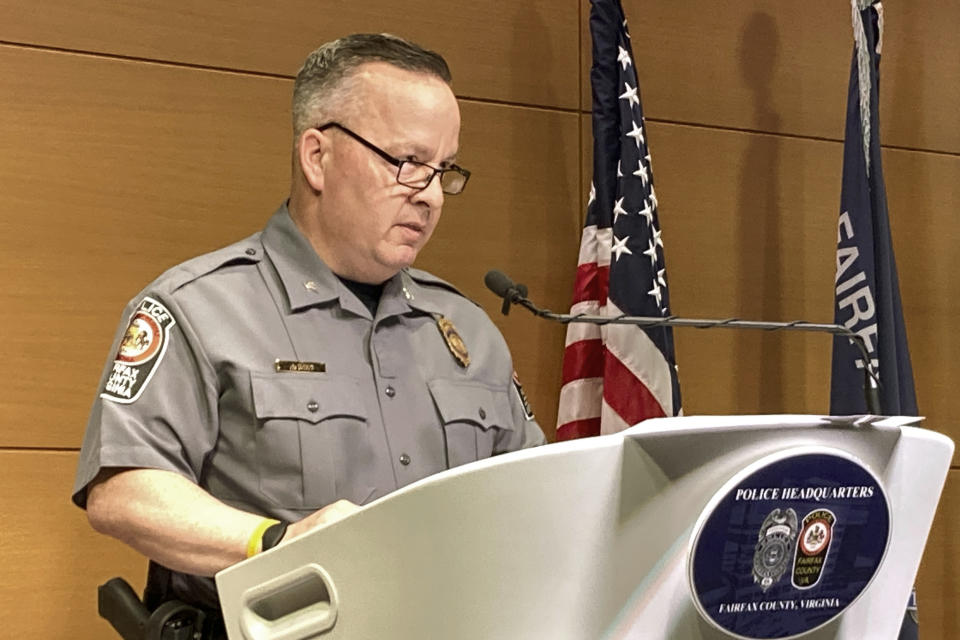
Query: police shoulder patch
(140, 351)
(527, 409)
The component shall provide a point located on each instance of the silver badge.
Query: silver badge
(774, 551)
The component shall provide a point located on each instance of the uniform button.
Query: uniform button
(483, 414)
(251, 252)
(390, 391)
(404, 459)
(313, 406)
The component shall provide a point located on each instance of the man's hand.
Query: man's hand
(321, 518)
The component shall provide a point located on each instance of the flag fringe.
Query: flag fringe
(863, 73)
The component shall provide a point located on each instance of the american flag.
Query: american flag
(618, 375)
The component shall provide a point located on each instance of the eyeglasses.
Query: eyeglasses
(410, 173)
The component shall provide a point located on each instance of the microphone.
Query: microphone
(512, 293)
(501, 284)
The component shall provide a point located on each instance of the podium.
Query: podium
(681, 528)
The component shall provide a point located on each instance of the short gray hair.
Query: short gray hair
(325, 70)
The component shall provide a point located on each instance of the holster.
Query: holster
(158, 617)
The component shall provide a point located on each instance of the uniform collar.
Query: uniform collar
(305, 277)
(308, 281)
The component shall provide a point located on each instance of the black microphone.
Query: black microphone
(501, 284)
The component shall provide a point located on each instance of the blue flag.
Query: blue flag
(867, 288)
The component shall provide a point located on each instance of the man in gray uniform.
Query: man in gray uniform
(271, 387)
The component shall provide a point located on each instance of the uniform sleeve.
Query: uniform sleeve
(156, 405)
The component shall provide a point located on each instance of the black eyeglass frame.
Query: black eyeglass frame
(398, 163)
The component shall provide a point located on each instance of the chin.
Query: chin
(400, 258)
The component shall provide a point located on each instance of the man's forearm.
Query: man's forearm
(170, 520)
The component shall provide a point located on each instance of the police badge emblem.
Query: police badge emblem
(453, 340)
(772, 553)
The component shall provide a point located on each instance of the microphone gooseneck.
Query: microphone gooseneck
(513, 293)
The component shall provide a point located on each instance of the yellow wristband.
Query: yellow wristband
(253, 544)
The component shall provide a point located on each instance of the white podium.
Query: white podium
(598, 538)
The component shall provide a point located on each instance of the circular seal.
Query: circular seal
(816, 536)
(142, 341)
(788, 543)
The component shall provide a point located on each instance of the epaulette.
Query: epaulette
(424, 277)
(247, 251)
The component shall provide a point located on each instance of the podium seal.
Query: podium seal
(788, 543)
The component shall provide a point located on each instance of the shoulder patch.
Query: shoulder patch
(141, 350)
(527, 409)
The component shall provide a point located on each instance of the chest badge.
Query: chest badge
(453, 340)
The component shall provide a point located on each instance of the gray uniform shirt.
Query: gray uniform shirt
(255, 373)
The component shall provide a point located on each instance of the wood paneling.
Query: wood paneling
(520, 214)
(771, 66)
(923, 192)
(524, 52)
(749, 223)
(112, 172)
(937, 588)
(52, 560)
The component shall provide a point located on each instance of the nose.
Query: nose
(431, 195)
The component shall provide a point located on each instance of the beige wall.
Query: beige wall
(136, 135)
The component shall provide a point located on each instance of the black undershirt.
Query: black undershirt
(369, 294)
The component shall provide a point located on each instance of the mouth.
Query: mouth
(413, 227)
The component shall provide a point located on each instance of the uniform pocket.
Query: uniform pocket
(473, 414)
(309, 428)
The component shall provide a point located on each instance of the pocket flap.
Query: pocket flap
(306, 396)
(472, 402)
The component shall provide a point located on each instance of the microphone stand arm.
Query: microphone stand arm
(871, 378)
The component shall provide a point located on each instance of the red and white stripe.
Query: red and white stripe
(613, 376)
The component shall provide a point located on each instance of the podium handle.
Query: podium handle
(296, 605)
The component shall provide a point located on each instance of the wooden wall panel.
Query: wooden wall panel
(519, 214)
(112, 172)
(937, 588)
(771, 66)
(52, 560)
(525, 52)
(923, 191)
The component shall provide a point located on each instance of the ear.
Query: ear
(311, 148)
